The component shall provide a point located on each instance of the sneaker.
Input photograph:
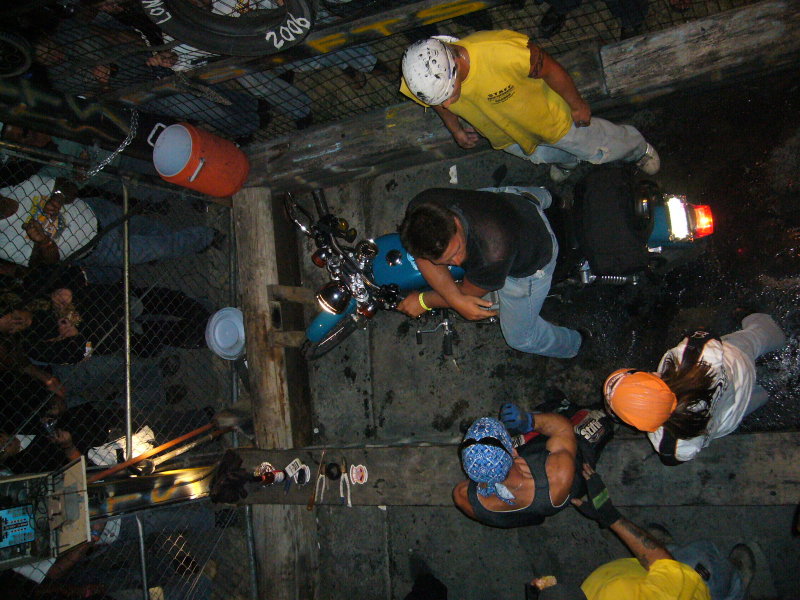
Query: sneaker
(559, 173)
(744, 560)
(649, 163)
(551, 23)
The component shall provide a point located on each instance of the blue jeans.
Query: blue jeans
(150, 240)
(724, 582)
(600, 142)
(278, 93)
(238, 119)
(522, 298)
(759, 334)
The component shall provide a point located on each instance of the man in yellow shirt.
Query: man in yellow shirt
(513, 93)
(695, 572)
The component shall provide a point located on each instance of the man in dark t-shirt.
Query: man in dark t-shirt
(502, 240)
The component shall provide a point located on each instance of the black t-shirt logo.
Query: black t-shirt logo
(502, 95)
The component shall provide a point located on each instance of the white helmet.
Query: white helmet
(429, 68)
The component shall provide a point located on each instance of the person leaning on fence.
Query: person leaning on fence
(702, 390)
(82, 321)
(42, 221)
(519, 98)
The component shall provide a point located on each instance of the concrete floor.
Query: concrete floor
(738, 151)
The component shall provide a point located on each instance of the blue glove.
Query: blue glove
(516, 421)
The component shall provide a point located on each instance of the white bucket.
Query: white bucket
(172, 150)
(225, 333)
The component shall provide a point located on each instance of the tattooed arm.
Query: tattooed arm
(639, 542)
(543, 66)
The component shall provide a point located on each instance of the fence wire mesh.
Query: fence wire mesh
(109, 46)
(62, 362)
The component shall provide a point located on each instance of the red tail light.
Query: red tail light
(703, 221)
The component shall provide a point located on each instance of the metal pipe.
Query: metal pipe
(148, 453)
(251, 551)
(233, 284)
(48, 157)
(142, 562)
(126, 282)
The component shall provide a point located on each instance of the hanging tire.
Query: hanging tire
(15, 54)
(258, 33)
(343, 329)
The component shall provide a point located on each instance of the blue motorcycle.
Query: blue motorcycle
(615, 241)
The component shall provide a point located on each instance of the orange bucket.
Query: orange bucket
(191, 157)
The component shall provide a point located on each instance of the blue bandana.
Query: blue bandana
(488, 464)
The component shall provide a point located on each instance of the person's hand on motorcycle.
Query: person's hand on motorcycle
(410, 306)
(473, 307)
(515, 419)
(466, 137)
(582, 114)
(598, 505)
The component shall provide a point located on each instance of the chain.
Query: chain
(125, 143)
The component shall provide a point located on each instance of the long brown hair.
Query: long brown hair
(693, 386)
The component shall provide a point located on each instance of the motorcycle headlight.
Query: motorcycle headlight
(334, 297)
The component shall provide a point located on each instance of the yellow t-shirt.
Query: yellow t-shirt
(626, 578)
(499, 99)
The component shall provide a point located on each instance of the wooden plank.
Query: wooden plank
(746, 42)
(738, 470)
(292, 293)
(754, 39)
(285, 542)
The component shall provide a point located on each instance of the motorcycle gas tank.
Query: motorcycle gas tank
(394, 264)
(325, 321)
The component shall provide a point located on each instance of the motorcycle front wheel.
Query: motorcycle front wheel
(342, 330)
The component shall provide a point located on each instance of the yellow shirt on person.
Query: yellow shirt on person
(627, 579)
(499, 99)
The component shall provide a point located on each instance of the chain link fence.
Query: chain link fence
(110, 46)
(62, 359)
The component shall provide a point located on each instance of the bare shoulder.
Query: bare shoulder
(560, 468)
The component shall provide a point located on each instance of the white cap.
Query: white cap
(429, 69)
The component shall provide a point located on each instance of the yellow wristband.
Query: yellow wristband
(422, 302)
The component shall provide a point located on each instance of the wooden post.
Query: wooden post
(285, 536)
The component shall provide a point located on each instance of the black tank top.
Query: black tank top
(535, 456)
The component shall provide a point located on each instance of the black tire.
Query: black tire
(15, 54)
(259, 33)
(337, 335)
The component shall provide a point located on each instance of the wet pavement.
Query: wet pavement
(736, 149)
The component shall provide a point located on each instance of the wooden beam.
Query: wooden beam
(292, 293)
(747, 42)
(286, 547)
(739, 470)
